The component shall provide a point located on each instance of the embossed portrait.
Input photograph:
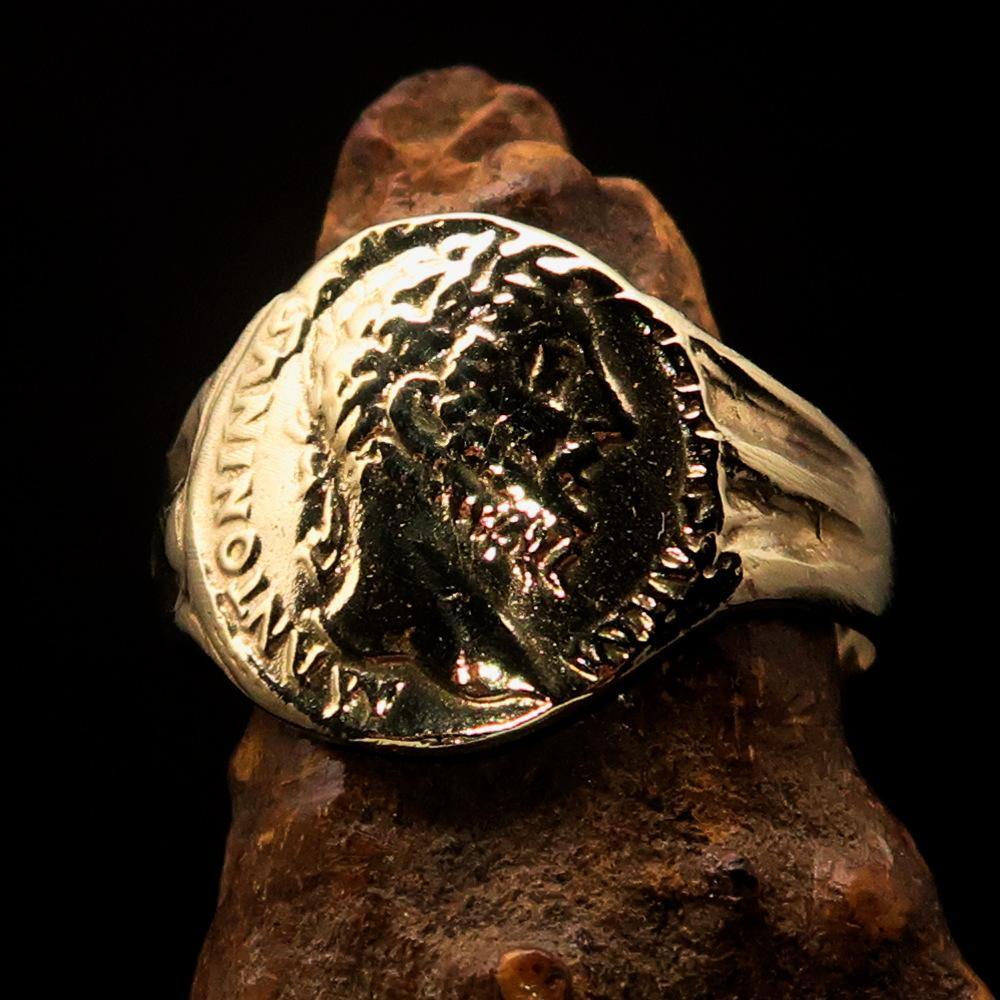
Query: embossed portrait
(499, 462)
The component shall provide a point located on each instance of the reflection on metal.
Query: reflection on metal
(463, 475)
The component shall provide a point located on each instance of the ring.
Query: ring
(463, 476)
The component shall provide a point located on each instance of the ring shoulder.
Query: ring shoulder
(802, 506)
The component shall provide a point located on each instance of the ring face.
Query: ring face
(456, 479)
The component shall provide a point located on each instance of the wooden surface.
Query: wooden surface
(703, 833)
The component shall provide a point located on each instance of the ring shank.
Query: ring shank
(802, 506)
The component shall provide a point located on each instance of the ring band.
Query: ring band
(463, 475)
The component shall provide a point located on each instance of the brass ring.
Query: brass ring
(463, 475)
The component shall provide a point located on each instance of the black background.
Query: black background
(817, 167)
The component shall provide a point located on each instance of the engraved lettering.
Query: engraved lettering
(247, 409)
(234, 500)
(237, 550)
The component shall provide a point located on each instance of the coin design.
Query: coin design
(456, 479)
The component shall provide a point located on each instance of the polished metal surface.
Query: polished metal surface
(462, 476)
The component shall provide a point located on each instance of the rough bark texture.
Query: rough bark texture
(703, 833)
